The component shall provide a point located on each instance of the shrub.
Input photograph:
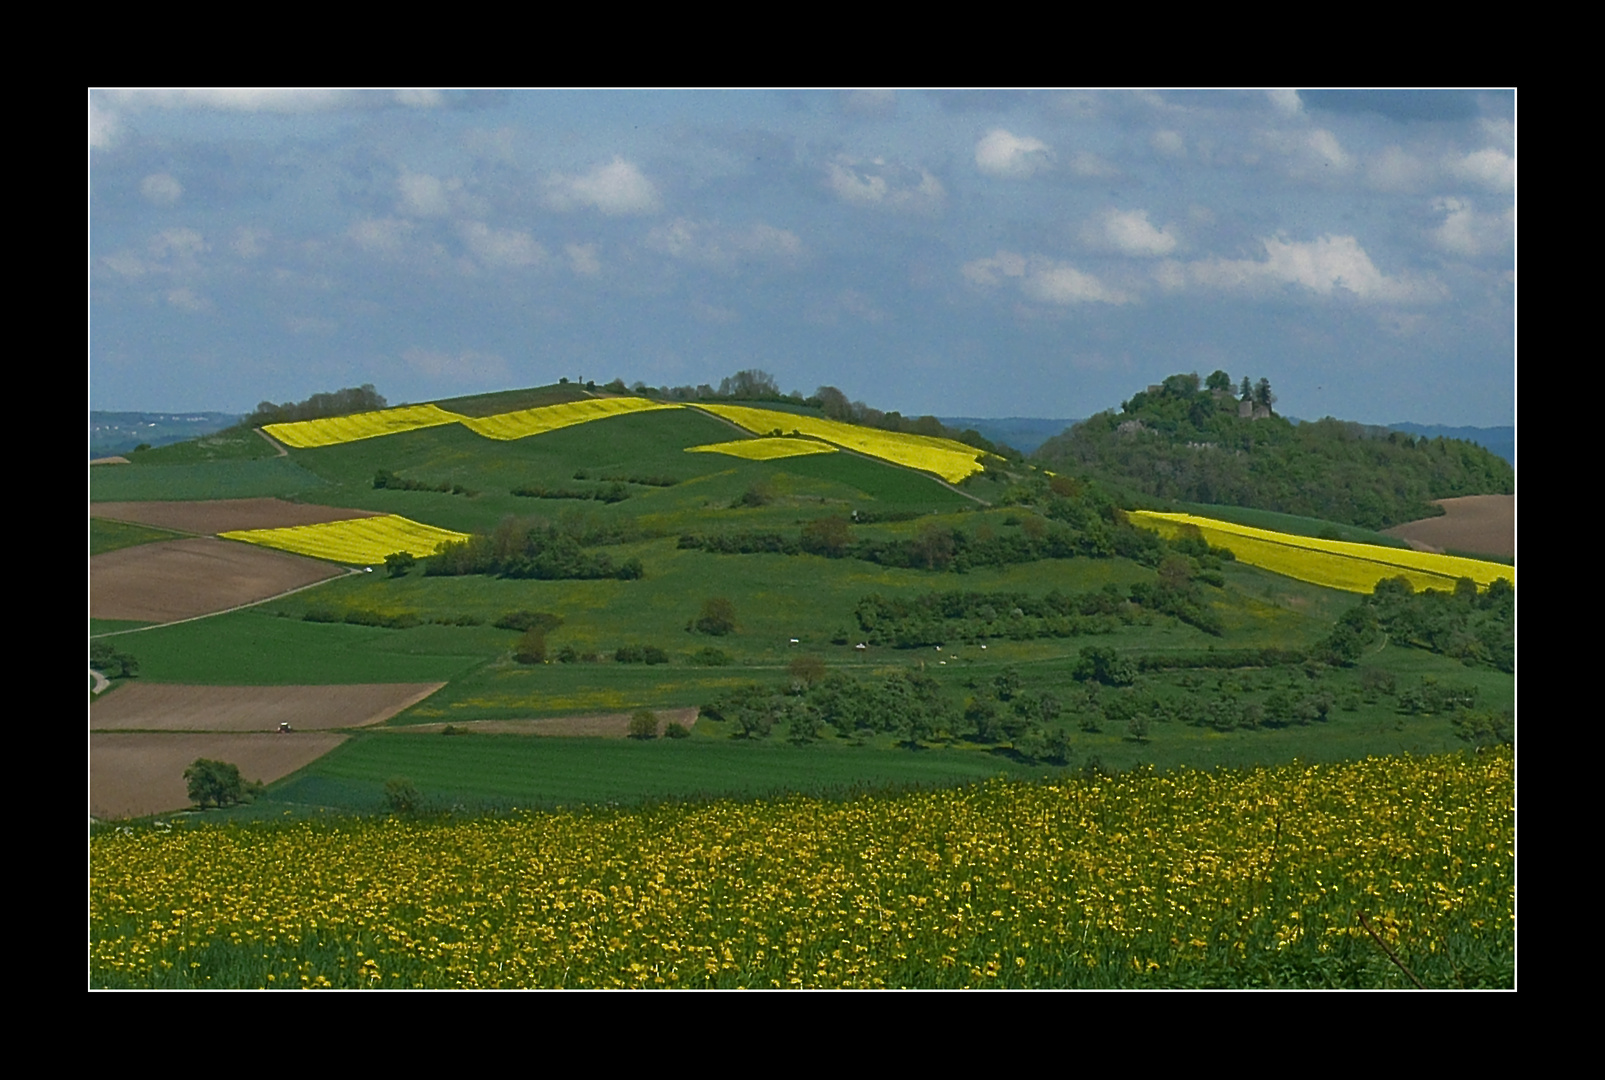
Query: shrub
(677, 730)
(397, 563)
(708, 656)
(718, 617)
(531, 647)
(401, 797)
(644, 724)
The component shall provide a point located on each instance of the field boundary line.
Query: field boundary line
(846, 450)
(271, 441)
(225, 611)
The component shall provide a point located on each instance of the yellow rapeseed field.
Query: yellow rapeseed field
(950, 460)
(764, 449)
(519, 425)
(355, 541)
(1337, 564)
(1272, 876)
(303, 434)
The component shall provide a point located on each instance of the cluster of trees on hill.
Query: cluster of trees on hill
(355, 399)
(542, 550)
(1477, 628)
(1187, 442)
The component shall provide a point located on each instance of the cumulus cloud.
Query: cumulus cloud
(1086, 163)
(1002, 153)
(1309, 152)
(162, 189)
(710, 244)
(584, 259)
(1130, 233)
(1043, 279)
(501, 249)
(1491, 168)
(1467, 232)
(187, 300)
(380, 235)
(878, 183)
(248, 243)
(177, 244)
(1325, 266)
(466, 366)
(1168, 143)
(618, 187)
(423, 195)
(1394, 169)
(1285, 102)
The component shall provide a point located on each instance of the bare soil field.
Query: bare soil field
(604, 726)
(1485, 524)
(135, 774)
(116, 460)
(179, 579)
(138, 706)
(223, 515)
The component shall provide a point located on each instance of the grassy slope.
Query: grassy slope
(776, 598)
(107, 535)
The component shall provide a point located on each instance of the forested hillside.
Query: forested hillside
(1182, 441)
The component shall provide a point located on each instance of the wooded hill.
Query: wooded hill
(1191, 443)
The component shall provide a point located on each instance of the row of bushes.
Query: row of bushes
(613, 493)
(384, 478)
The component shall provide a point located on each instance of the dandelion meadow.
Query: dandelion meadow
(1385, 872)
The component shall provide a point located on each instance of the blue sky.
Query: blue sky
(974, 253)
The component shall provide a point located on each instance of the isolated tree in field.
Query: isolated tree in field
(397, 563)
(217, 783)
(718, 617)
(644, 724)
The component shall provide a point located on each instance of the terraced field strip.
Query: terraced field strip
(1336, 564)
(767, 449)
(357, 541)
(305, 434)
(527, 422)
(950, 460)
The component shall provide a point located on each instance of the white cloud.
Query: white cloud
(423, 195)
(104, 126)
(384, 235)
(420, 99)
(125, 263)
(1491, 168)
(1043, 279)
(1168, 143)
(1286, 102)
(236, 98)
(1129, 232)
(162, 189)
(1325, 266)
(248, 242)
(1002, 153)
(877, 183)
(875, 102)
(466, 366)
(1468, 233)
(618, 187)
(584, 259)
(177, 243)
(714, 245)
(1326, 149)
(1394, 169)
(1086, 163)
(501, 248)
(187, 300)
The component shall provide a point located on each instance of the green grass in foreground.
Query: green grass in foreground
(105, 535)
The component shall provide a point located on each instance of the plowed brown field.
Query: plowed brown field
(223, 515)
(604, 726)
(1482, 524)
(136, 773)
(179, 579)
(138, 706)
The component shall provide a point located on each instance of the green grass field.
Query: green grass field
(228, 479)
(1290, 523)
(107, 535)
